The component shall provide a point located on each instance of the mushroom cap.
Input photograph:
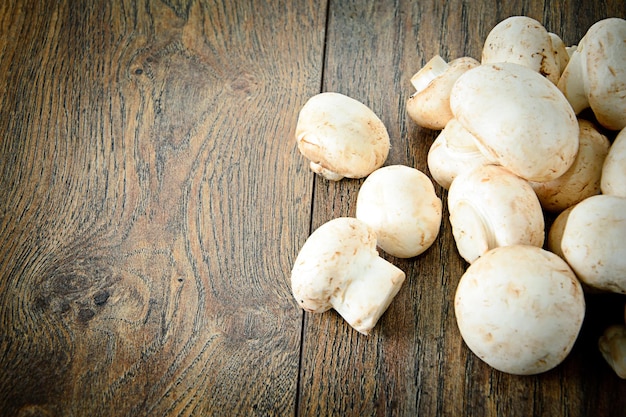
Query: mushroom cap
(399, 203)
(555, 234)
(582, 179)
(491, 207)
(524, 41)
(429, 106)
(613, 180)
(341, 136)
(604, 46)
(593, 242)
(520, 119)
(452, 152)
(612, 345)
(519, 309)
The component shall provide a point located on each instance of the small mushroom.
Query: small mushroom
(593, 242)
(429, 106)
(453, 151)
(519, 309)
(612, 345)
(524, 41)
(491, 207)
(341, 136)
(555, 234)
(596, 73)
(399, 203)
(613, 180)
(561, 52)
(520, 119)
(582, 179)
(338, 267)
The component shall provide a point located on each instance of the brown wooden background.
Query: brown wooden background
(152, 201)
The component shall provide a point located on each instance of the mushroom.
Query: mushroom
(519, 309)
(561, 52)
(524, 41)
(341, 136)
(429, 106)
(491, 207)
(612, 345)
(555, 234)
(399, 203)
(520, 119)
(593, 242)
(338, 267)
(452, 152)
(582, 179)
(613, 180)
(596, 73)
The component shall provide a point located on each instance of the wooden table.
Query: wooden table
(153, 202)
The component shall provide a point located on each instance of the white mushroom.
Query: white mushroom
(560, 50)
(429, 106)
(582, 179)
(399, 203)
(341, 136)
(555, 234)
(491, 207)
(596, 73)
(612, 345)
(338, 267)
(593, 242)
(524, 41)
(613, 180)
(520, 119)
(519, 309)
(452, 152)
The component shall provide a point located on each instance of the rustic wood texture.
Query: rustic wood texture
(152, 201)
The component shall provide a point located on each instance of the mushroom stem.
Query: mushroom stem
(433, 69)
(374, 284)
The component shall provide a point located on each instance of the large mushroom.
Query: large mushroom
(520, 119)
(519, 309)
(341, 136)
(338, 267)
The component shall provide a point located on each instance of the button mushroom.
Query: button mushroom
(429, 106)
(519, 309)
(453, 151)
(338, 267)
(520, 119)
(341, 136)
(613, 180)
(593, 242)
(491, 207)
(582, 179)
(523, 40)
(399, 203)
(596, 73)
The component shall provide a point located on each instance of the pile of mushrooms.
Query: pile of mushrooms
(533, 128)
(513, 147)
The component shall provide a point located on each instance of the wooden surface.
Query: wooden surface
(152, 201)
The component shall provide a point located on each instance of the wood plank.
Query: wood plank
(415, 362)
(152, 203)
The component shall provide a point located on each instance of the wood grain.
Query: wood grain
(152, 201)
(147, 160)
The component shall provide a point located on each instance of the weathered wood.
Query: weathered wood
(151, 202)
(415, 362)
